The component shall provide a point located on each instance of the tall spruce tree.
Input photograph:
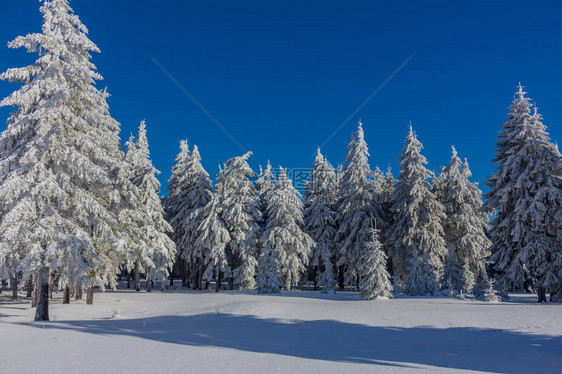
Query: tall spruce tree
(525, 194)
(358, 207)
(285, 247)
(464, 225)
(319, 221)
(155, 251)
(62, 194)
(415, 239)
(199, 194)
(241, 214)
(210, 243)
(176, 204)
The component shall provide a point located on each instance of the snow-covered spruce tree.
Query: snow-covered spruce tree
(264, 183)
(319, 221)
(197, 192)
(358, 208)
(210, 243)
(284, 244)
(154, 251)
(525, 193)
(415, 239)
(420, 276)
(175, 203)
(241, 214)
(375, 279)
(269, 278)
(464, 225)
(60, 160)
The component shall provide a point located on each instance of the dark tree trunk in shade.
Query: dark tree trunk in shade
(128, 279)
(15, 286)
(66, 295)
(30, 286)
(341, 278)
(42, 311)
(148, 284)
(90, 295)
(78, 293)
(541, 293)
(137, 278)
(218, 280)
(197, 276)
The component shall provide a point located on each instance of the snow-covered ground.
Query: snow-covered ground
(206, 332)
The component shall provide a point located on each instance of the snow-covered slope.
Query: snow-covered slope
(202, 332)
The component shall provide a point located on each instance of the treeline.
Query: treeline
(360, 228)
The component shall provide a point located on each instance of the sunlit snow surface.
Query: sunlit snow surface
(228, 332)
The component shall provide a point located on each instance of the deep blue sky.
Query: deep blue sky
(282, 77)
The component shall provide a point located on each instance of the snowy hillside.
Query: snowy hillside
(206, 332)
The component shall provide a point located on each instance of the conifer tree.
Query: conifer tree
(464, 225)
(375, 279)
(358, 207)
(285, 247)
(420, 278)
(241, 214)
(319, 221)
(154, 251)
(525, 193)
(199, 194)
(210, 243)
(60, 156)
(177, 205)
(415, 239)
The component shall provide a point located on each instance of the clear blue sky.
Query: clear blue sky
(281, 78)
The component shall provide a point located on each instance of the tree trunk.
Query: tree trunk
(128, 279)
(197, 276)
(218, 280)
(137, 278)
(341, 278)
(148, 284)
(90, 295)
(15, 286)
(66, 295)
(78, 293)
(541, 293)
(30, 286)
(42, 311)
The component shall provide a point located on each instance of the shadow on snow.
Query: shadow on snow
(328, 340)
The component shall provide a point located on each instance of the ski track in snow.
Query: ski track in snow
(298, 331)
